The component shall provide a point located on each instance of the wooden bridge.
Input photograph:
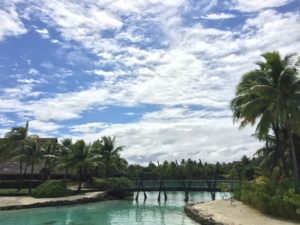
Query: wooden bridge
(162, 186)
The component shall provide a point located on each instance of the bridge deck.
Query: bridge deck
(178, 185)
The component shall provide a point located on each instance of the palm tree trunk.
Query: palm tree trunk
(21, 175)
(45, 170)
(79, 180)
(280, 151)
(107, 171)
(31, 178)
(295, 162)
(107, 168)
(84, 174)
(66, 175)
(25, 169)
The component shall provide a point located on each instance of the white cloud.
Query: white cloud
(65, 106)
(88, 128)
(5, 121)
(20, 92)
(54, 41)
(173, 136)
(43, 32)
(11, 24)
(130, 113)
(219, 16)
(257, 5)
(33, 71)
(31, 81)
(199, 67)
(42, 126)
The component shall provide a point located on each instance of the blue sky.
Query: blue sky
(158, 75)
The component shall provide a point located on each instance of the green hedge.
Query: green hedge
(110, 183)
(277, 199)
(51, 189)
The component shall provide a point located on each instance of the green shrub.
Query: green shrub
(277, 199)
(110, 183)
(50, 189)
(113, 185)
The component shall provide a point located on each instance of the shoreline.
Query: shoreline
(14, 203)
(203, 219)
(222, 212)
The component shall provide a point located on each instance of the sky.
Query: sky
(158, 75)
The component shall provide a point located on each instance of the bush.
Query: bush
(277, 199)
(51, 189)
(110, 183)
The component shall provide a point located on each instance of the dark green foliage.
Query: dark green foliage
(51, 189)
(110, 183)
(268, 97)
(271, 197)
(113, 185)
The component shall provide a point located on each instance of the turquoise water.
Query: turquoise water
(119, 212)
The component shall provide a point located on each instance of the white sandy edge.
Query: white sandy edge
(22, 201)
(237, 214)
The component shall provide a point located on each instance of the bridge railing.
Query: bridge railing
(205, 184)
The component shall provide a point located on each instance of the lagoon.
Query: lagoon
(117, 212)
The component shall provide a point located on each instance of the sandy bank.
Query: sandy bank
(221, 212)
(7, 203)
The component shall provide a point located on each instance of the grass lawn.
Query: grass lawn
(13, 192)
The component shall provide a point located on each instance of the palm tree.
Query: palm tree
(64, 156)
(33, 154)
(50, 156)
(269, 96)
(81, 160)
(109, 152)
(13, 147)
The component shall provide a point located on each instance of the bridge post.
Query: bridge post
(159, 189)
(140, 185)
(165, 193)
(186, 199)
(145, 196)
(161, 185)
(138, 191)
(211, 184)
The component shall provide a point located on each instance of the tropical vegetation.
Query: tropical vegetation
(51, 189)
(269, 98)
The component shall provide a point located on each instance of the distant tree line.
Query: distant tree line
(102, 158)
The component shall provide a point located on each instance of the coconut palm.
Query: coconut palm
(50, 156)
(109, 152)
(12, 147)
(81, 160)
(33, 155)
(270, 97)
(64, 155)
